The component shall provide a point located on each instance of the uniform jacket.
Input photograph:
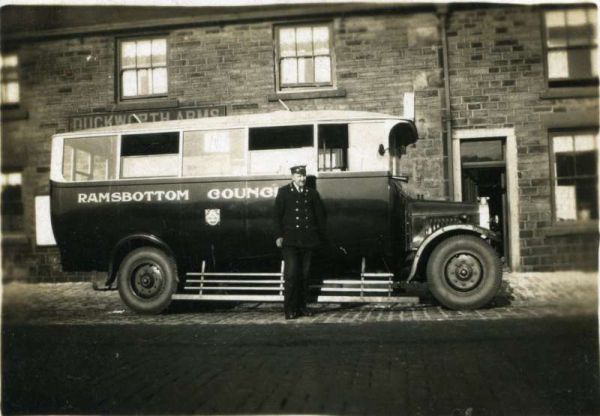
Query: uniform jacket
(299, 217)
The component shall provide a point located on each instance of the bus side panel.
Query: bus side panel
(357, 219)
(156, 213)
(90, 220)
(261, 231)
(213, 223)
(357, 213)
(83, 232)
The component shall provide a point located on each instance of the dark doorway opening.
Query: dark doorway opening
(484, 176)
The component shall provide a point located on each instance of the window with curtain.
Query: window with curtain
(304, 56)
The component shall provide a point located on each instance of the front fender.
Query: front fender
(445, 232)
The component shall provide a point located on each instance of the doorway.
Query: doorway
(485, 172)
(490, 183)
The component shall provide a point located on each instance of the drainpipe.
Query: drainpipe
(442, 12)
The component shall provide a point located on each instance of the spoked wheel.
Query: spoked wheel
(464, 272)
(147, 280)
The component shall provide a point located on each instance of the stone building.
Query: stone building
(505, 98)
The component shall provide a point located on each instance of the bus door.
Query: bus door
(353, 184)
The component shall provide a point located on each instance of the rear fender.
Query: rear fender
(441, 234)
(129, 243)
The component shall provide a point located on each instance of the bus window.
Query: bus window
(149, 155)
(400, 137)
(333, 147)
(90, 158)
(214, 152)
(275, 149)
(364, 141)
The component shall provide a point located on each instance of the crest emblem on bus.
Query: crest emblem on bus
(212, 216)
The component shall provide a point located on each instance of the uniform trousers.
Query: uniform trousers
(296, 274)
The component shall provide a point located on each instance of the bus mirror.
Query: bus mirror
(381, 150)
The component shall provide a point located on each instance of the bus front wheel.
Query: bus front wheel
(147, 280)
(464, 272)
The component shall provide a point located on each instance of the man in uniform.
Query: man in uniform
(300, 224)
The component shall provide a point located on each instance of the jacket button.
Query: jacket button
(297, 218)
(297, 226)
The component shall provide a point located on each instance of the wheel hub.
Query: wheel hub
(463, 272)
(147, 280)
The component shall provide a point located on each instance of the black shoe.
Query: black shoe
(305, 312)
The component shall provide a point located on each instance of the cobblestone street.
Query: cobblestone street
(522, 296)
(67, 349)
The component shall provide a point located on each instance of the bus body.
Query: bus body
(194, 191)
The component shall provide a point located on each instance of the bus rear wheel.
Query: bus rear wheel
(147, 280)
(464, 272)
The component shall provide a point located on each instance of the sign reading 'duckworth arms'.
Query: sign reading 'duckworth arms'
(91, 121)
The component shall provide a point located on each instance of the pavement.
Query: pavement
(67, 349)
(523, 295)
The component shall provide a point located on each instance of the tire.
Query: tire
(147, 280)
(464, 272)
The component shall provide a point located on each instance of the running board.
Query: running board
(407, 300)
(269, 287)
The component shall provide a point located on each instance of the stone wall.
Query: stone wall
(496, 80)
(377, 60)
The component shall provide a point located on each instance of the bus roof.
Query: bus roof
(262, 119)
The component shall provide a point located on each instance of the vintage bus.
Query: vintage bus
(183, 209)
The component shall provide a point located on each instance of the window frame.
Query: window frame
(59, 142)
(301, 87)
(121, 160)
(12, 209)
(341, 166)
(244, 132)
(119, 70)
(89, 172)
(554, 132)
(10, 104)
(312, 149)
(563, 83)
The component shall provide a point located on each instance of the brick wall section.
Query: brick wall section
(496, 78)
(378, 58)
(58, 79)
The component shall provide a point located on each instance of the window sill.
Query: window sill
(303, 95)
(571, 119)
(14, 238)
(569, 92)
(575, 228)
(147, 104)
(13, 113)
